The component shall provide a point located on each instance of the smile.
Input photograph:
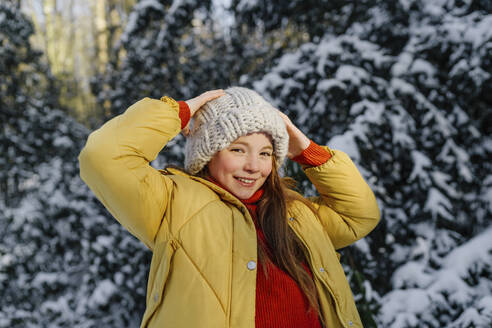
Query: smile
(246, 181)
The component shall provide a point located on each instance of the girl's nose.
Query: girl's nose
(252, 164)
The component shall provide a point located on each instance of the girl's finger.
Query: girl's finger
(286, 119)
(207, 96)
(214, 94)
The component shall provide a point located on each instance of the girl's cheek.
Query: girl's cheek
(267, 170)
(231, 165)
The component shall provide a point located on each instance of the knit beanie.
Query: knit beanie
(219, 122)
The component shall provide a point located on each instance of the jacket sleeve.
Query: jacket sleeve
(346, 206)
(115, 165)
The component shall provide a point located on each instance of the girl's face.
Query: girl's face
(243, 167)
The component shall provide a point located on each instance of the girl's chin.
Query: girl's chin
(244, 194)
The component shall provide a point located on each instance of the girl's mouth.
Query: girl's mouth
(245, 181)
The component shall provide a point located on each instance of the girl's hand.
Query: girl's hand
(196, 103)
(298, 141)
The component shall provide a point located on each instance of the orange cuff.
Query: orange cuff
(313, 155)
(184, 113)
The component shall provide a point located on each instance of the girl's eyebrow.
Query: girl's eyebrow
(247, 145)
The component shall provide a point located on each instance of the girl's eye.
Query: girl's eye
(238, 150)
(266, 153)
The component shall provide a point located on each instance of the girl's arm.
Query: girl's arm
(346, 206)
(115, 163)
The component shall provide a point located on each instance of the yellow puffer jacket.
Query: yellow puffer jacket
(203, 270)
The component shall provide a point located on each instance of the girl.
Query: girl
(233, 245)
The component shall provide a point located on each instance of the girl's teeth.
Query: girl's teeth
(245, 180)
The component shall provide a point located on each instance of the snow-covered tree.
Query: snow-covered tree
(26, 88)
(63, 260)
(166, 46)
(313, 17)
(182, 48)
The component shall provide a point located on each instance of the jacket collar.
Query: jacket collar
(223, 194)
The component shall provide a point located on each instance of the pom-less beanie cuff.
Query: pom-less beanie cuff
(219, 122)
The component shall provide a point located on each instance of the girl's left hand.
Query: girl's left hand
(298, 141)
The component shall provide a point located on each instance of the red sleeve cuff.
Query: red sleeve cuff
(184, 113)
(313, 155)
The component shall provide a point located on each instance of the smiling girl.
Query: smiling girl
(233, 245)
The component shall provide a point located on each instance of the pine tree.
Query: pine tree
(26, 88)
(162, 55)
(63, 260)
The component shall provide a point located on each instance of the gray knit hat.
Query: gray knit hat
(238, 113)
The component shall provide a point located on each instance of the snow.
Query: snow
(245, 5)
(346, 143)
(443, 180)
(402, 65)
(63, 142)
(103, 292)
(422, 66)
(327, 84)
(60, 306)
(406, 3)
(411, 275)
(420, 163)
(462, 258)
(6, 260)
(404, 306)
(402, 86)
(326, 47)
(175, 5)
(448, 282)
(46, 278)
(373, 112)
(363, 246)
(460, 67)
(273, 79)
(132, 23)
(351, 73)
(145, 4)
(479, 33)
(485, 306)
(471, 318)
(401, 307)
(438, 204)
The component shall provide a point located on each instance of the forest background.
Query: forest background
(404, 87)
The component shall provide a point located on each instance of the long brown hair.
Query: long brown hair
(286, 249)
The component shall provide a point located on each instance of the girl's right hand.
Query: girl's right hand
(196, 103)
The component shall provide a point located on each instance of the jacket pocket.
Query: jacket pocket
(162, 258)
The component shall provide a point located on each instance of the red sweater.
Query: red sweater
(280, 302)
